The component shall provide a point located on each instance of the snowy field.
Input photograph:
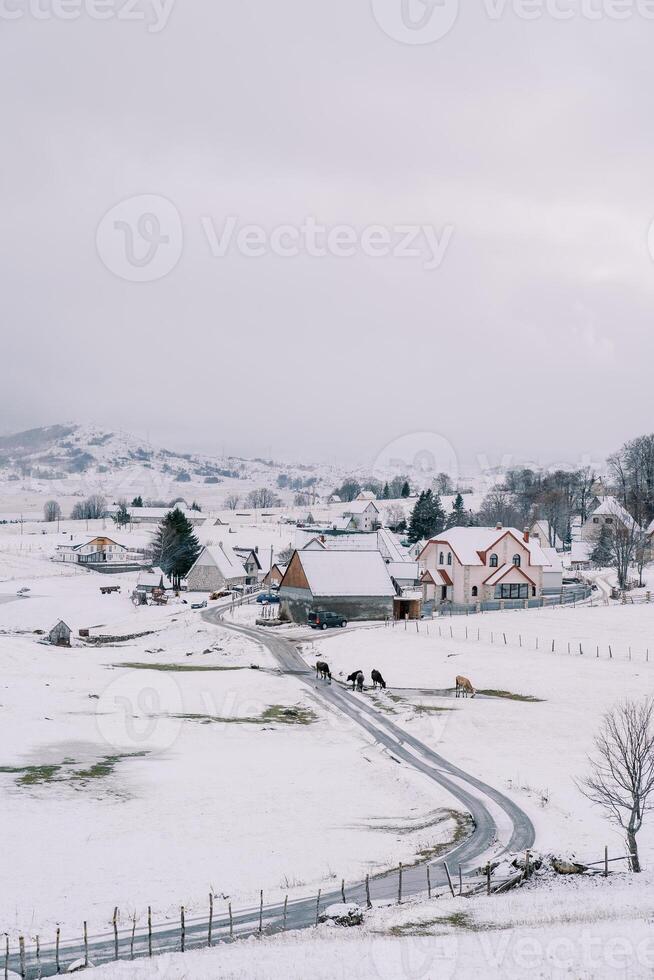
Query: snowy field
(531, 749)
(165, 767)
(581, 929)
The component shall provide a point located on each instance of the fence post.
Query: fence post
(449, 879)
(7, 956)
(428, 882)
(115, 924)
(231, 922)
(57, 940)
(210, 919)
(21, 947)
(399, 886)
(86, 945)
(368, 902)
(606, 862)
(285, 911)
(343, 890)
(460, 881)
(488, 878)
(318, 905)
(131, 942)
(610, 652)
(261, 911)
(183, 928)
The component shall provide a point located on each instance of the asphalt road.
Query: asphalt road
(499, 826)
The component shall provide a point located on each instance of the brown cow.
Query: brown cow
(464, 687)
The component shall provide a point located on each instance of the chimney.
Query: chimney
(498, 527)
(526, 535)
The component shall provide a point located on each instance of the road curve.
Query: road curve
(499, 826)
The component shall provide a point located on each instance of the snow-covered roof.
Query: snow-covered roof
(224, 558)
(554, 563)
(580, 551)
(346, 573)
(467, 542)
(610, 507)
(153, 577)
(366, 495)
(360, 507)
(390, 546)
(404, 569)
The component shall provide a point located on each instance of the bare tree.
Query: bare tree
(263, 497)
(623, 543)
(90, 509)
(622, 774)
(394, 515)
(51, 511)
(232, 501)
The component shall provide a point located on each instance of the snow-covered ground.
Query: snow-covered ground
(158, 769)
(584, 929)
(531, 750)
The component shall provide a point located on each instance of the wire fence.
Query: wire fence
(31, 958)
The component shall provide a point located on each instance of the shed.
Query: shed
(60, 634)
(355, 584)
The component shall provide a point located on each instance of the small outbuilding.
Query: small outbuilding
(60, 634)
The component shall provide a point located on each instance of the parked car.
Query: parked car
(323, 620)
(199, 605)
(268, 597)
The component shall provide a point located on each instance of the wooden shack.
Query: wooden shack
(60, 634)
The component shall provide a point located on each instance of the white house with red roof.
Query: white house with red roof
(467, 565)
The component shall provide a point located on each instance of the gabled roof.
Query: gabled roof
(224, 558)
(346, 573)
(503, 571)
(360, 507)
(436, 576)
(610, 507)
(471, 544)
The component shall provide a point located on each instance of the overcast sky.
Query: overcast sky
(522, 326)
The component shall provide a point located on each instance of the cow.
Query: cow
(378, 680)
(464, 687)
(323, 671)
(353, 678)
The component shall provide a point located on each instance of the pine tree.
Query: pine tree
(406, 489)
(386, 493)
(138, 501)
(427, 517)
(416, 522)
(459, 516)
(175, 546)
(121, 517)
(602, 553)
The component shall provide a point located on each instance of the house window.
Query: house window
(475, 592)
(449, 558)
(493, 562)
(596, 520)
(517, 561)
(609, 520)
(512, 591)
(440, 558)
(533, 591)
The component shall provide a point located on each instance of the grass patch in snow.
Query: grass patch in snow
(275, 713)
(509, 696)
(430, 927)
(63, 772)
(429, 709)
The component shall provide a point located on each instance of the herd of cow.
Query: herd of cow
(463, 688)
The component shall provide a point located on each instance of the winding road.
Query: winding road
(499, 826)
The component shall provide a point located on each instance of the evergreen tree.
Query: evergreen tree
(175, 546)
(386, 493)
(138, 501)
(121, 517)
(427, 517)
(406, 489)
(459, 516)
(602, 553)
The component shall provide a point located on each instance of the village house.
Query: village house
(273, 578)
(217, 567)
(610, 513)
(364, 514)
(60, 634)
(366, 495)
(355, 584)
(469, 565)
(251, 564)
(98, 552)
(151, 579)
(543, 532)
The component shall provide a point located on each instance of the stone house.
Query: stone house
(217, 567)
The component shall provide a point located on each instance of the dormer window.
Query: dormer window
(493, 561)
(517, 561)
(449, 558)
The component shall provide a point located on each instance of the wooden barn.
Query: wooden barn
(60, 634)
(355, 584)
